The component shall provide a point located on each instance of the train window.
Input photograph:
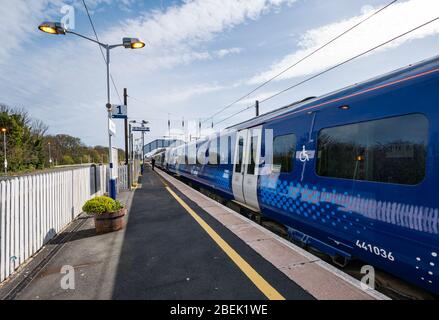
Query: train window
(238, 165)
(391, 150)
(253, 150)
(284, 148)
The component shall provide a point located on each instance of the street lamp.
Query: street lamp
(57, 28)
(4, 149)
(52, 27)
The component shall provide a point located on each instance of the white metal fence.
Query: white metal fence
(34, 208)
(122, 182)
(123, 178)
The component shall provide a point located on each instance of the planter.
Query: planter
(109, 222)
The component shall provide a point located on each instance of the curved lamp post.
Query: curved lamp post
(57, 28)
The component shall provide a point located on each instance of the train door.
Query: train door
(246, 167)
(251, 174)
(238, 166)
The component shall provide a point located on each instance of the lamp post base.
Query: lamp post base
(112, 189)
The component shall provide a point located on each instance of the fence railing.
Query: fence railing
(34, 208)
(123, 178)
(123, 183)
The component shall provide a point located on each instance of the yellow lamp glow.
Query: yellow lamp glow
(52, 28)
(132, 43)
(48, 29)
(137, 45)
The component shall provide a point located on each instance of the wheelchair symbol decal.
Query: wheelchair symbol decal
(304, 156)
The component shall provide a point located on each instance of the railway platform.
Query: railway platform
(180, 245)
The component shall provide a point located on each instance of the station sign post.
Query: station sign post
(119, 112)
(141, 129)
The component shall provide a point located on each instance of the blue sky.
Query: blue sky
(201, 55)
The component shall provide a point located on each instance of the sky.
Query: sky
(200, 56)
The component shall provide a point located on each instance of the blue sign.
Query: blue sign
(119, 112)
(144, 129)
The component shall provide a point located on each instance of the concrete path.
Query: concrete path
(163, 253)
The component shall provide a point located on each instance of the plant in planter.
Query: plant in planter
(108, 213)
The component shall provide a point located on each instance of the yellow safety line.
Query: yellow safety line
(270, 292)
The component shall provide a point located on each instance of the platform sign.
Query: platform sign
(111, 127)
(144, 129)
(119, 112)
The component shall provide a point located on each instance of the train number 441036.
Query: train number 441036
(375, 250)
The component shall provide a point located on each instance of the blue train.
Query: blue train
(354, 173)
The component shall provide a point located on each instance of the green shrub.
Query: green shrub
(100, 205)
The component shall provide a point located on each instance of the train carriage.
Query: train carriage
(353, 173)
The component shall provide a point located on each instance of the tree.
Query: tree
(30, 148)
(24, 139)
(67, 160)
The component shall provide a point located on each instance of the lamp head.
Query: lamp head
(4, 130)
(132, 43)
(52, 27)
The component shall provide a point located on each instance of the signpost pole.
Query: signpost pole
(132, 153)
(143, 149)
(112, 181)
(127, 154)
(125, 101)
(121, 112)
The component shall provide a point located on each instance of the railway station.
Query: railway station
(327, 198)
(219, 158)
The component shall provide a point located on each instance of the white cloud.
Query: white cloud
(391, 22)
(225, 52)
(155, 60)
(174, 36)
(185, 93)
(171, 35)
(194, 21)
(19, 20)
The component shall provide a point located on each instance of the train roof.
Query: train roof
(303, 105)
